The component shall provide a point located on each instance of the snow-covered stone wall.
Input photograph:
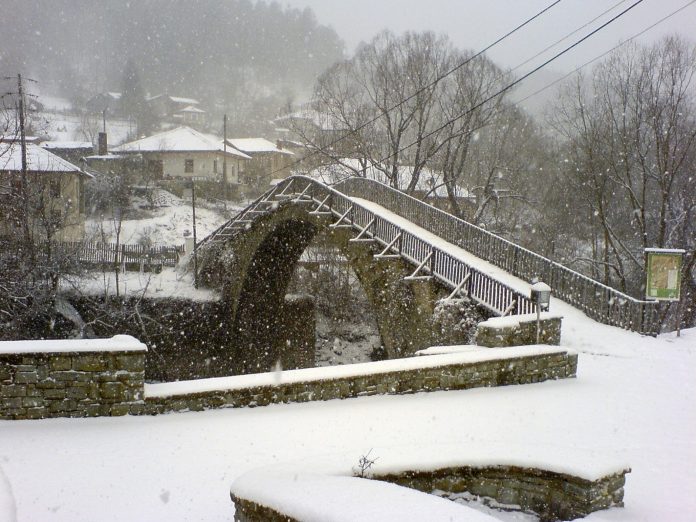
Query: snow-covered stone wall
(517, 330)
(472, 368)
(549, 494)
(71, 378)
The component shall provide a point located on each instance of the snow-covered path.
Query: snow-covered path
(631, 403)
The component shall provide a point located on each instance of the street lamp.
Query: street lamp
(540, 294)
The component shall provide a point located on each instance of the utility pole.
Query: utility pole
(25, 181)
(195, 246)
(22, 132)
(224, 159)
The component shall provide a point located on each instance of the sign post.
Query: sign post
(663, 276)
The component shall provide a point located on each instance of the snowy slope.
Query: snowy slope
(631, 403)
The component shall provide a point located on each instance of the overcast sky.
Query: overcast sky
(475, 24)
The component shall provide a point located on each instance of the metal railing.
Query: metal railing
(598, 301)
(431, 261)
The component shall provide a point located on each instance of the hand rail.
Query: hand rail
(599, 301)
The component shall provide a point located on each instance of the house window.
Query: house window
(188, 166)
(55, 188)
(215, 166)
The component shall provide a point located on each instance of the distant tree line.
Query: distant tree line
(234, 54)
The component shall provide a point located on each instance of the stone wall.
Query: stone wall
(551, 495)
(431, 373)
(518, 330)
(248, 511)
(78, 378)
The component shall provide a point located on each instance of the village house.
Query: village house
(176, 109)
(185, 153)
(268, 161)
(110, 102)
(72, 151)
(53, 194)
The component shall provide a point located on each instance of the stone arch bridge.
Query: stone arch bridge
(406, 254)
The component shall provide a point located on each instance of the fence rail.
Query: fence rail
(597, 300)
(126, 256)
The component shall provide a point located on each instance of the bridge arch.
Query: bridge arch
(254, 270)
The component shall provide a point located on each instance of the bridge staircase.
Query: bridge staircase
(463, 257)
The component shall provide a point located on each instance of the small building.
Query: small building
(166, 107)
(268, 161)
(52, 195)
(185, 153)
(190, 115)
(109, 101)
(72, 151)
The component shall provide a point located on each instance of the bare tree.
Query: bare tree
(630, 141)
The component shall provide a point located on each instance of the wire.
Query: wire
(569, 35)
(430, 85)
(512, 84)
(652, 26)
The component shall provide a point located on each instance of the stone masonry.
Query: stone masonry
(551, 495)
(505, 369)
(71, 378)
(519, 330)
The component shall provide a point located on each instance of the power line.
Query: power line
(569, 34)
(607, 52)
(431, 84)
(512, 84)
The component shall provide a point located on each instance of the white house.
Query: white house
(53, 193)
(186, 153)
(268, 161)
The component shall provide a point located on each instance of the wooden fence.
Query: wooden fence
(126, 257)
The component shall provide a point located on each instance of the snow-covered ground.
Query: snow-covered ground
(632, 403)
(69, 127)
(168, 225)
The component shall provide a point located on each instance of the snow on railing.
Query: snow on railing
(599, 301)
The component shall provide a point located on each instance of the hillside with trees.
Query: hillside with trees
(234, 54)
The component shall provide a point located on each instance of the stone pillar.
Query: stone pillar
(296, 348)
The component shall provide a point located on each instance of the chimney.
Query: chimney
(103, 149)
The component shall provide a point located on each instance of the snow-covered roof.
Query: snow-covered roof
(66, 145)
(251, 145)
(191, 108)
(429, 181)
(114, 95)
(38, 159)
(175, 99)
(180, 139)
(321, 120)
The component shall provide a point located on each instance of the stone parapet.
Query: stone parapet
(71, 378)
(521, 365)
(519, 330)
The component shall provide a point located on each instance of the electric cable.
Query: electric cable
(512, 84)
(620, 44)
(428, 86)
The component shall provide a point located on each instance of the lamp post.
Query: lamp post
(540, 294)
